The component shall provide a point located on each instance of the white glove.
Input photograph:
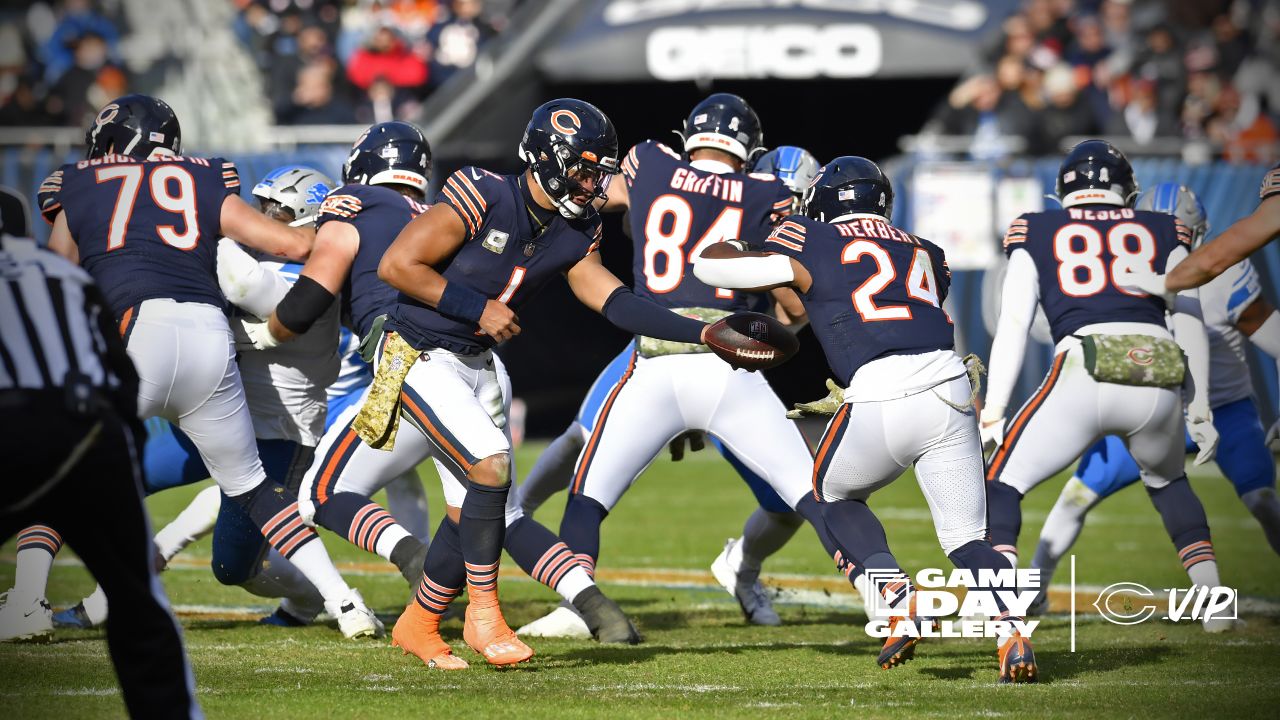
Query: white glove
(257, 336)
(1205, 435)
(991, 429)
(1144, 281)
(1273, 435)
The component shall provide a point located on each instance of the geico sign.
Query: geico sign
(754, 51)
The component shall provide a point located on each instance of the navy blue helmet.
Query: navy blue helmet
(1096, 172)
(390, 153)
(724, 122)
(571, 148)
(848, 185)
(134, 125)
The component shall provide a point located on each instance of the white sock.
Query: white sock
(574, 582)
(553, 470)
(313, 560)
(1012, 557)
(1062, 527)
(194, 522)
(1204, 573)
(407, 503)
(95, 606)
(1265, 506)
(31, 576)
(278, 578)
(764, 534)
(387, 541)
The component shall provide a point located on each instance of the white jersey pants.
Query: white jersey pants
(188, 375)
(659, 398)
(1071, 410)
(868, 445)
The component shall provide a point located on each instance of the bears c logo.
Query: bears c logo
(107, 114)
(566, 122)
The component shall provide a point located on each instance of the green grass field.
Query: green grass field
(699, 658)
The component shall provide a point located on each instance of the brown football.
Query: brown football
(752, 341)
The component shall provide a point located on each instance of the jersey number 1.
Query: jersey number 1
(921, 282)
(183, 202)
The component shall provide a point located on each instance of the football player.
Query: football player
(677, 206)
(143, 221)
(1118, 370)
(794, 166)
(465, 267)
(909, 397)
(1234, 309)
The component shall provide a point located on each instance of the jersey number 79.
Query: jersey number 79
(172, 189)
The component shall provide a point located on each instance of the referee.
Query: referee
(71, 441)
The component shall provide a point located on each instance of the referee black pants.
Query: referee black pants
(83, 477)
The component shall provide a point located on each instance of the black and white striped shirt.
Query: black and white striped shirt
(54, 326)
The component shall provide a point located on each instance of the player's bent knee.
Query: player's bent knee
(492, 471)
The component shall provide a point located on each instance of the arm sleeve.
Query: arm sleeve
(469, 192)
(1267, 337)
(1188, 329)
(50, 196)
(632, 313)
(246, 283)
(1019, 297)
(744, 272)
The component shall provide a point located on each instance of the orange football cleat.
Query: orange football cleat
(1017, 661)
(418, 632)
(486, 631)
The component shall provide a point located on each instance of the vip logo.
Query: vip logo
(1130, 603)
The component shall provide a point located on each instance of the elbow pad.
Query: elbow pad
(304, 304)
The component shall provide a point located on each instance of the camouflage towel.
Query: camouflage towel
(653, 347)
(379, 417)
(1134, 360)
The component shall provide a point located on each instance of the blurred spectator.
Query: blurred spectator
(314, 101)
(1161, 63)
(455, 43)
(1231, 43)
(1066, 113)
(77, 20)
(80, 90)
(1140, 119)
(386, 56)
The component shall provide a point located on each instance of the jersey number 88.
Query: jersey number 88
(1078, 247)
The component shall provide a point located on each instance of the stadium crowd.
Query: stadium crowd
(1199, 70)
(324, 61)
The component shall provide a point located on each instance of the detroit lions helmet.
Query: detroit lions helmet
(134, 125)
(1180, 202)
(390, 153)
(1096, 172)
(794, 166)
(571, 149)
(727, 123)
(849, 185)
(293, 193)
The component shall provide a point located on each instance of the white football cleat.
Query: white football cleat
(355, 619)
(757, 606)
(563, 622)
(25, 622)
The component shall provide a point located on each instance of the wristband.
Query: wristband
(460, 301)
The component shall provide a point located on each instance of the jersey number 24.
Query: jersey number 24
(921, 283)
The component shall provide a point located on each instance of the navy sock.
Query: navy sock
(355, 517)
(539, 552)
(481, 530)
(274, 510)
(1004, 516)
(978, 555)
(443, 572)
(580, 528)
(238, 544)
(810, 509)
(1182, 513)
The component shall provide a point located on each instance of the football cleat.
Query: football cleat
(898, 650)
(355, 619)
(604, 618)
(757, 606)
(25, 622)
(486, 631)
(563, 622)
(73, 617)
(282, 618)
(418, 632)
(1017, 661)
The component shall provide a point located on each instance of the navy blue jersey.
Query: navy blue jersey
(145, 228)
(378, 213)
(1077, 252)
(1270, 183)
(677, 210)
(512, 248)
(877, 290)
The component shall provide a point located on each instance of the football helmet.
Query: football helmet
(293, 193)
(390, 153)
(135, 125)
(794, 166)
(1095, 172)
(1180, 202)
(571, 149)
(849, 185)
(724, 122)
